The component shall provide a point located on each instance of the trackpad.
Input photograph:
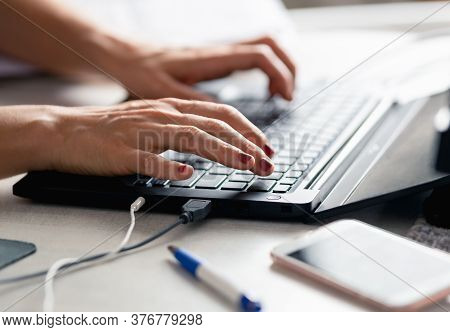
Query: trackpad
(12, 251)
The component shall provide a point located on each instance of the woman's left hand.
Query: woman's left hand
(159, 73)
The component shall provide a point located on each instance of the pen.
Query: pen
(214, 279)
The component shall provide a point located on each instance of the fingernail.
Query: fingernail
(182, 168)
(266, 165)
(268, 150)
(245, 158)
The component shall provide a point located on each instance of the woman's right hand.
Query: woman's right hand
(128, 138)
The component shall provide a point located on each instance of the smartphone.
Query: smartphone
(376, 266)
(12, 251)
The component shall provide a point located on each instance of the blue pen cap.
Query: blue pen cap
(189, 263)
(249, 305)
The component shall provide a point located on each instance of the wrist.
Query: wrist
(109, 53)
(26, 138)
(44, 138)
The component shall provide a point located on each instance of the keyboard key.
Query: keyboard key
(305, 160)
(288, 153)
(262, 185)
(202, 164)
(293, 174)
(296, 151)
(210, 181)
(178, 156)
(275, 143)
(322, 141)
(221, 170)
(243, 172)
(328, 135)
(288, 181)
(284, 160)
(143, 181)
(241, 177)
(160, 182)
(273, 176)
(281, 188)
(281, 168)
(189, 182)
(299, 167)
(309, 154)
(238, 186)
(296, 147)
(316, 147)
(284, 153)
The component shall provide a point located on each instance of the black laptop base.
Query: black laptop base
(115, 193)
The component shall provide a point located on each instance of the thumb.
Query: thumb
(176, 89)
(150, 164)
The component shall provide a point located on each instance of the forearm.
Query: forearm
(54, 38)
(26, 138)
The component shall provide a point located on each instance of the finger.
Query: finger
(225, 132)
(242, 57)
(150, 164)
(226, 114)
(278, 50)
(173, 88)
(156, 131)
(191, 139)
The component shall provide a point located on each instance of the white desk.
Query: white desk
(147, 281)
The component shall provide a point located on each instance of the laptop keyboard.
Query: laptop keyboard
(300, 137)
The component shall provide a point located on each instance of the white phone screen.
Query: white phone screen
(376, 264)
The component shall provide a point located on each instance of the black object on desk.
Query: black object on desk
(436, 207)
(442, 125)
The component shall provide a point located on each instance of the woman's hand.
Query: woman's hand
(156, 73)
(73, 45)
(129, 137)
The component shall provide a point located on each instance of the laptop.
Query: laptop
(340, 145)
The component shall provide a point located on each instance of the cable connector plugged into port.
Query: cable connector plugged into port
(195, 210)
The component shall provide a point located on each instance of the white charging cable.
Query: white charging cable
(49, 296)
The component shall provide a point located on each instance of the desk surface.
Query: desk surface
(148, 280)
